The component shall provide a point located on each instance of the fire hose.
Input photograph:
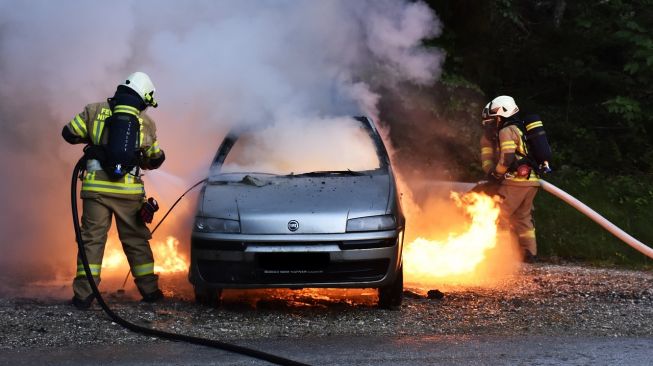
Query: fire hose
(79, 168)
(596, 217)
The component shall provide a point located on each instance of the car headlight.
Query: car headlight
(372, 223)
(211, 225)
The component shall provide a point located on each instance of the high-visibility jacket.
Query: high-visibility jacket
(500, 155)
(89, 126)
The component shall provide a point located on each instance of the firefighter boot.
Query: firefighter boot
(155, 296)
(83, 304)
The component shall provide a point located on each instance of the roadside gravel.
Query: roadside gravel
(543, 299)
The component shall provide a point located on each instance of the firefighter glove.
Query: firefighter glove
(95, 152)
(494, 177)
(148, 209)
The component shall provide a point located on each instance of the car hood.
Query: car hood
(320, 205)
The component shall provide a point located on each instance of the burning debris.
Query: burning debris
(435, 294)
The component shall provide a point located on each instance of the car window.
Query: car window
(295, 148)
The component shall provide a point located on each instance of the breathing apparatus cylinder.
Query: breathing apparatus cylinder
(122, 148)
(538, 145)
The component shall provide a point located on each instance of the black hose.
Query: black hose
(175, 204)
(149, 331)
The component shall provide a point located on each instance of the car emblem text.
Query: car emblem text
(293, 225)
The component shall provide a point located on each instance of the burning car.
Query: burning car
(323, 212)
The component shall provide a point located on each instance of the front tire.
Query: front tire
(208, 296)
(392, 295)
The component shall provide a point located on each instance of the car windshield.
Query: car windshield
(333, 146)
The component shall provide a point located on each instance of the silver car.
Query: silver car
(258, 226)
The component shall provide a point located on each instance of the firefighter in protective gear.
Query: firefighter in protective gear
(104, 197)
(503, 158)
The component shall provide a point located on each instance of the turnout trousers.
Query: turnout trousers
(98, 211)
(517, 214)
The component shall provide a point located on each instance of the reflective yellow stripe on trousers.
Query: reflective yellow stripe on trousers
(95, 269)
(143, 269)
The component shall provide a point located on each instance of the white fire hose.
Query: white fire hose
(612, 228)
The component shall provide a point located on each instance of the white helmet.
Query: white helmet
(142, 84)
(503, 106)
(486, 119)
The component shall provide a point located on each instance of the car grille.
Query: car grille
(292, 268)
(205, 244)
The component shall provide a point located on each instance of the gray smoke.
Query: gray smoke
(216, 65)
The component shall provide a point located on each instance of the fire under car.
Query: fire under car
(272, 215)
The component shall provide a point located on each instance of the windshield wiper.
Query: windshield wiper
(328, 172)
(216, 179)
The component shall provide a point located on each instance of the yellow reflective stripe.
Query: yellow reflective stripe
(100, 129)
(80, 122)
(528, 234)
(487, 150)
(154, 149)
(126, 109)
(509, 145)
(128, 186)
(140, 131)
(78, 126)
(95, 269)
(98, 126)
(110, 187)
(76, 129)
(487, 163)
(533, 125)
(143, 269)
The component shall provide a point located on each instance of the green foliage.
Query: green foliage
(625, 107)
(563, 232)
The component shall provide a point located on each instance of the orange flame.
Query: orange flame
(167, 258)
(460, 258)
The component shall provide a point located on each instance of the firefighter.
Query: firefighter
(510, 172)
(106, 195)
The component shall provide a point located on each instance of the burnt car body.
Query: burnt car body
(340, 229)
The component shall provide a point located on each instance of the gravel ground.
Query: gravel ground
(542, 299)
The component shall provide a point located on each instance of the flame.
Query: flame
(460, 258)
(167, 257)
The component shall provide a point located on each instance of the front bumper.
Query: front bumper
(352, 260)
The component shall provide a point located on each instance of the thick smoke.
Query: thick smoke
(216, 65)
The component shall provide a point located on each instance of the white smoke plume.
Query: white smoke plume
(216, 65)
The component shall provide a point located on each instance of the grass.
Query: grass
(564, 233)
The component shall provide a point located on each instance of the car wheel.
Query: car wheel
(208, 296)
(391, 295)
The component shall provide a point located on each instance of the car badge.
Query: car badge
(293, 225)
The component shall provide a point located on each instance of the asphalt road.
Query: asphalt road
(344, 350)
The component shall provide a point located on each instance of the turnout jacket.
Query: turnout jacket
(88, 127)
(500, 155)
